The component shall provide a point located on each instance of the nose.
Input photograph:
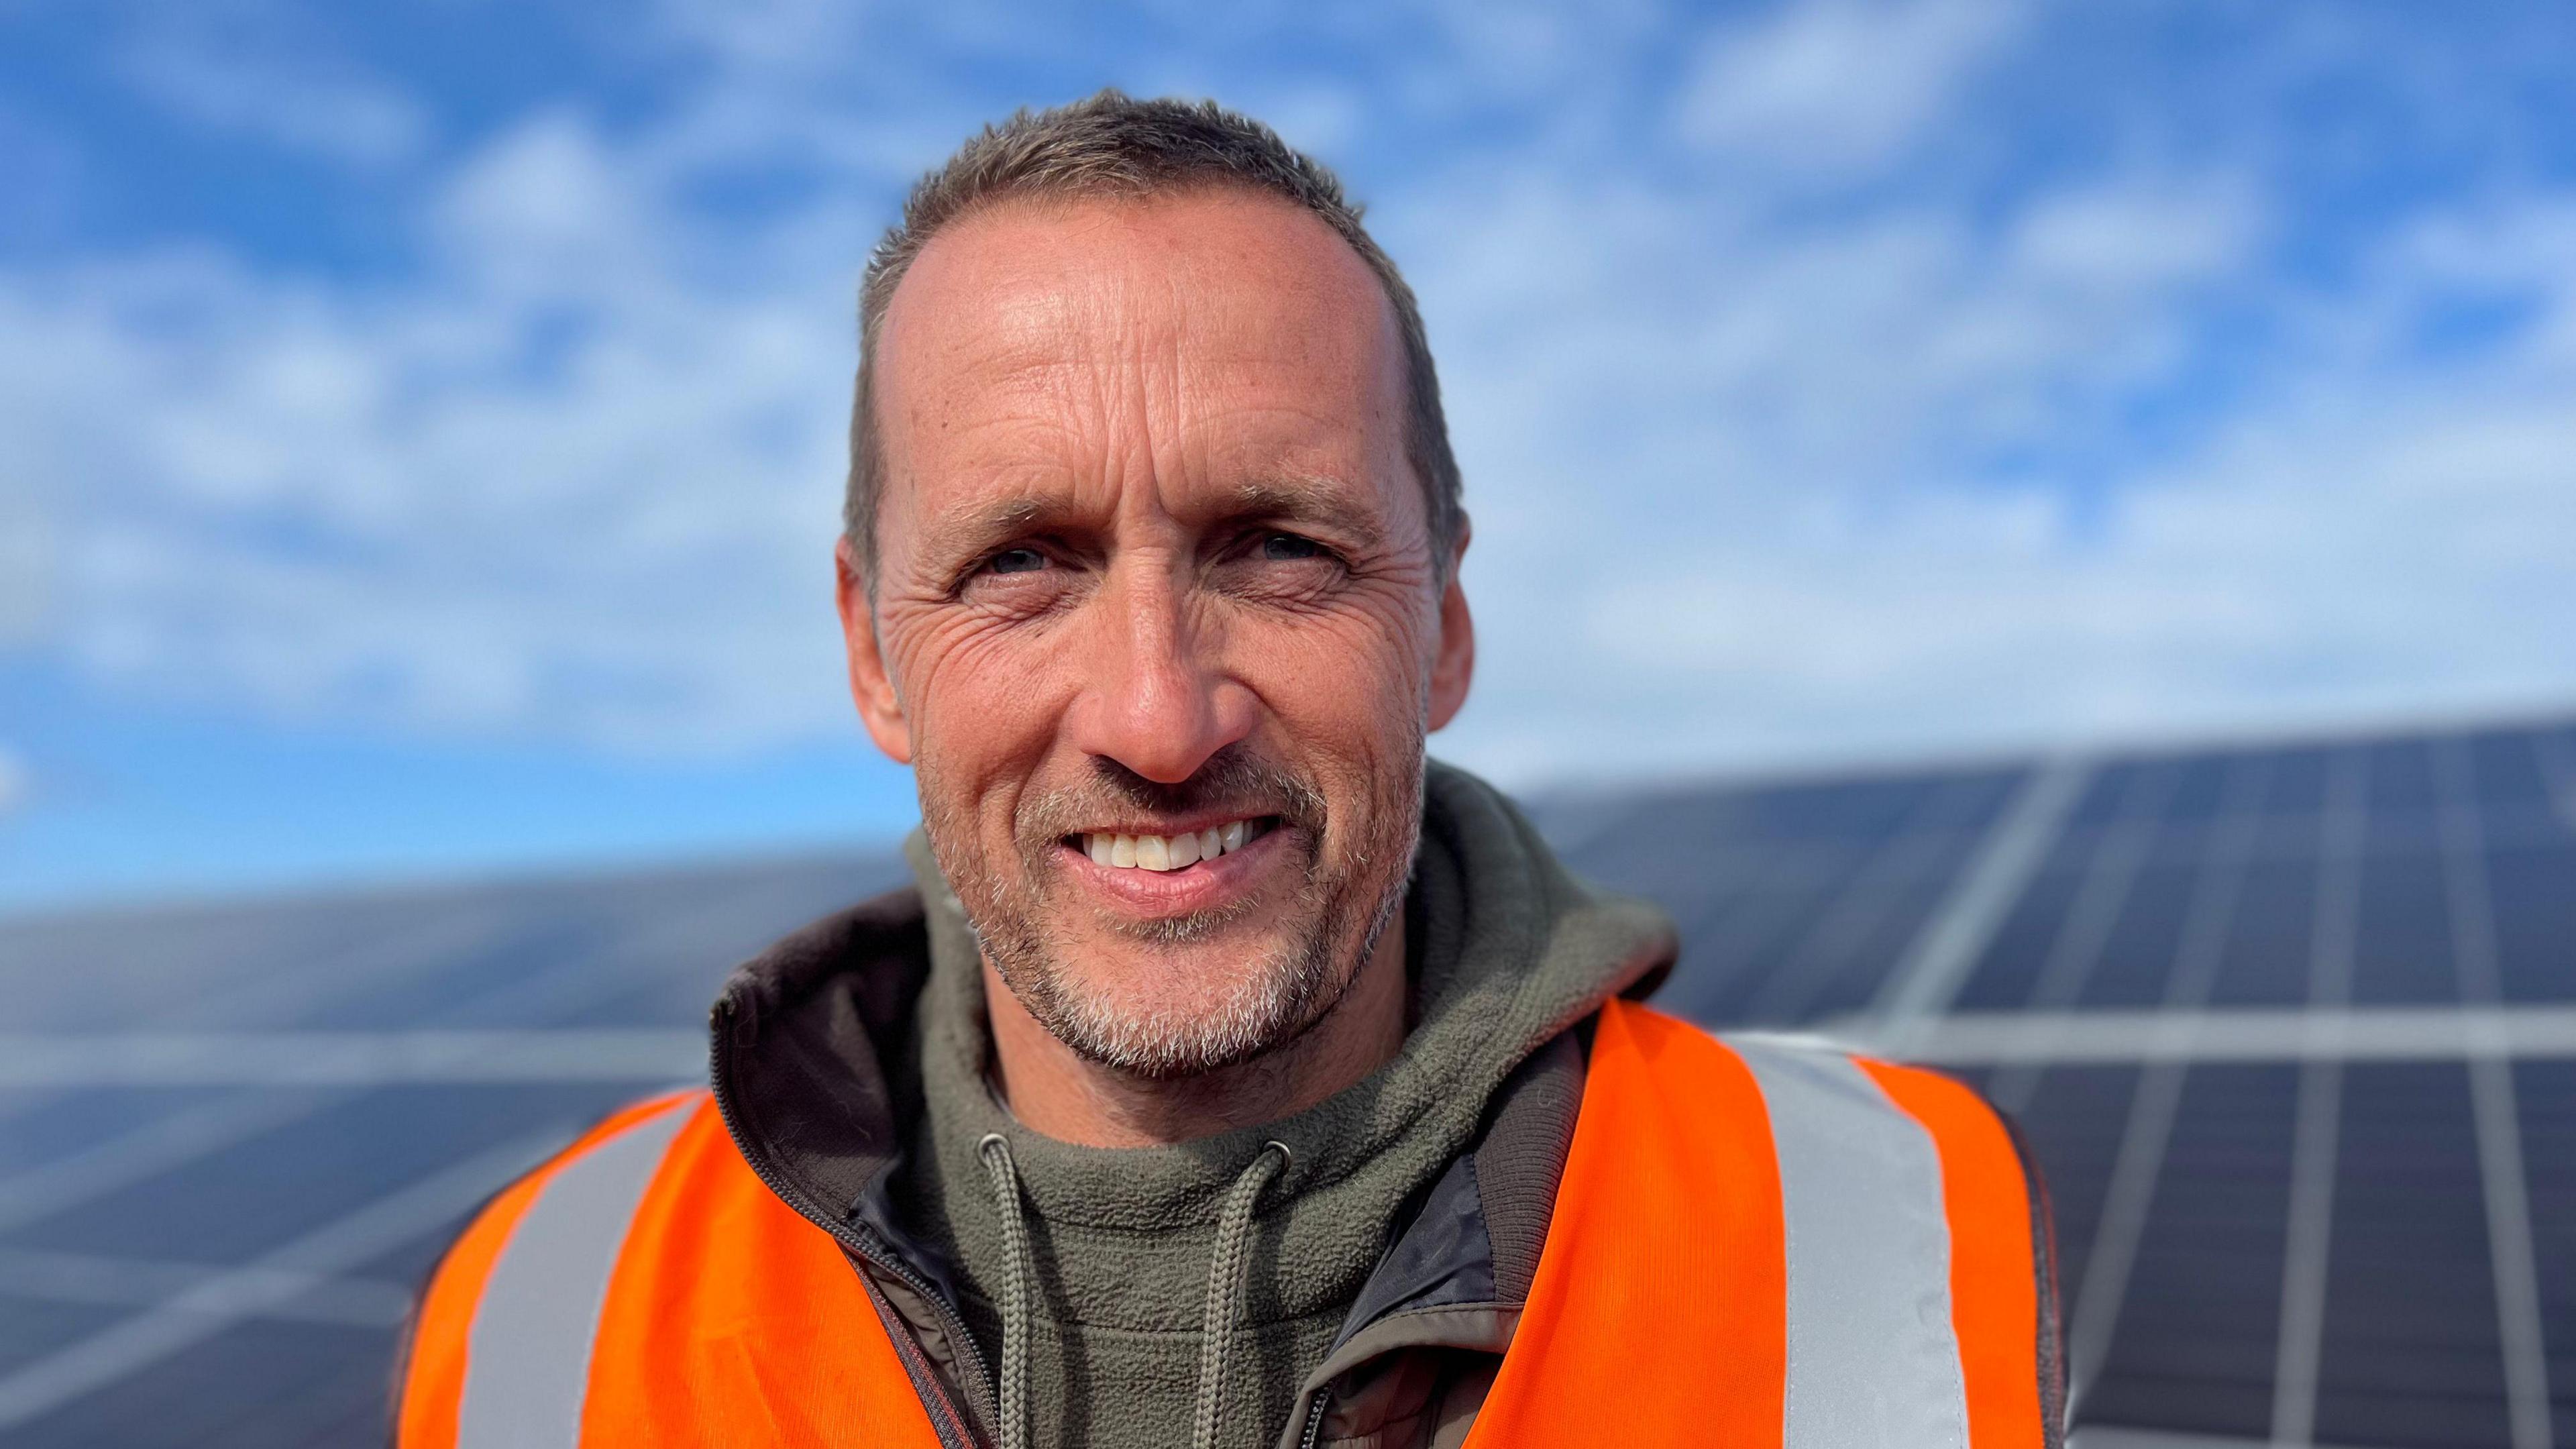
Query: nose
(1155, 697)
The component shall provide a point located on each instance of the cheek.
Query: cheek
(976, 698)
(1348, 695)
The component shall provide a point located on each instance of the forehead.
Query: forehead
(1071, 332)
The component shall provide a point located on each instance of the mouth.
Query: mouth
(1122, 850)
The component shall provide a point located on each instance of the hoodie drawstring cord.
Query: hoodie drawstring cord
(1017, 1287)
(1226, 1265)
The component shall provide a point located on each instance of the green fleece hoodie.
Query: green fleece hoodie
(1506, 951)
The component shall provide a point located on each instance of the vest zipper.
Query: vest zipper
(971, 1358)
(1315, 1408)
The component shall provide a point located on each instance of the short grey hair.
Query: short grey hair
(1112, 145)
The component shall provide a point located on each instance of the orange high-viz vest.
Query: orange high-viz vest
(1753, 1243)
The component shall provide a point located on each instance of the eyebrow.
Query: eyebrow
(971, 530)
(1287, 498)
(1293, 499)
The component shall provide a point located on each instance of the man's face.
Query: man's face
(1156, 619)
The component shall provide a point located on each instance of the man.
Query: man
(1232, 1076)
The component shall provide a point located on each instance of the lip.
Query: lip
(1174, 824)
(1205, 886)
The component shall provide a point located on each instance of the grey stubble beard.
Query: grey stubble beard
(1301, 981)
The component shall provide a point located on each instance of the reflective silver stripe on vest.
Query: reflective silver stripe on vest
(1873, 1351)
(527, 1357)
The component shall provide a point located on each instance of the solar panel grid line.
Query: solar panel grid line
(2315, 1139)
(2118, 852)
(133, 1344)
(2494, 1111)
(1926, 980)
(2149, 1129)
(133, 1283)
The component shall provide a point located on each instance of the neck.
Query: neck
(1062, 1094)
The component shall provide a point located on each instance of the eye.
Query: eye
(1015, 561)
(1288, 547)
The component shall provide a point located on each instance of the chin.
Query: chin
(1178, 1011)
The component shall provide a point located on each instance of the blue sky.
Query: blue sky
(419, 427)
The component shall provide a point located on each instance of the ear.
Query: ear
(1455, 667)
(871, 687)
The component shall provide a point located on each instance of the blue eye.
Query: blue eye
(1016, 561)
(1288, 547)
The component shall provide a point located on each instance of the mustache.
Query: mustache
(1234, 781)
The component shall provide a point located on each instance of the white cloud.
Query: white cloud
(1733, 500)
(1734, 462)
(581, 482)
(1838, 86)
(279, 86)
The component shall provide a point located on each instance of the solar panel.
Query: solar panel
(2291, 1029)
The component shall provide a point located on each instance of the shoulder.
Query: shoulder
(1844, 1170)
(1805, 1107)
(609, 1166)
(1794, 1078)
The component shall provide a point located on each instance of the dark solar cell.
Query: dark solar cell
(2298, 780)
(2506, 768)
(465, 974)
(2072, 1123)
(2401, 777)
(2194, 1345)
(2288, 836)
(1868, 807)
(2139, 956)
(1673, 855)
(111, 970)
(1713, 958)
(2410, 1353)
(2534, 889)
(2402, 950)
(1748, 942)
(1848, 945)
(259, 1385)
(2200, 788)
(39, 1126)
(2266, 961)
(32, 1328)
(2546, 1092)
(1874, 954)
(2112, 785)
(2010, 968)
(675, 998)
(261, 1193)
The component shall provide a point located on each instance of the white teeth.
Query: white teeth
(1166, 852)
